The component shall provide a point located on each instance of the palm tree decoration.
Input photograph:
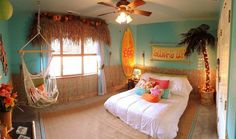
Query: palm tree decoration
(198, 39)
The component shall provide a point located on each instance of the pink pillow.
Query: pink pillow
(155, 91)
(164, 84)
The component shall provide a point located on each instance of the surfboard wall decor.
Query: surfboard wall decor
(128, 53)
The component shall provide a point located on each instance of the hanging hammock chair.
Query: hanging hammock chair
(41, 89)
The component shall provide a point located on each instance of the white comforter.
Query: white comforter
(160, 120)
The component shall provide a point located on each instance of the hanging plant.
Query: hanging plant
(198, 39)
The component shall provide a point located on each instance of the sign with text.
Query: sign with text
(168, 53)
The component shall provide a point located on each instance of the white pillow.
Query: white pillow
(179, 84)
(146, 76)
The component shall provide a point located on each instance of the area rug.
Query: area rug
(94, 122)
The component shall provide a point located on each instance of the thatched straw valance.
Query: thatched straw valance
(56, 26)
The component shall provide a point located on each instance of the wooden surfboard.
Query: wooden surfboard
(128, 53)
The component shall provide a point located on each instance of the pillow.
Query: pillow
(150, 98)
(153, 81)
(38, 81)
(156, 91)
(146, 76)
(141, 83)
(144, 85)
(179, 84)
(140, 91)
(148, 86)
(166, 94)
(164, 84)
(41, 87)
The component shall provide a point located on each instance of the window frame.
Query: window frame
(82, 55)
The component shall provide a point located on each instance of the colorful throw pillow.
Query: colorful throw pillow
(153, 81)
(141, 83)
(156, 91)
(38, 81)
(150, 98)
(41, 87)
(164, 84)
(166, 94)
(140, 91)
(148, 86)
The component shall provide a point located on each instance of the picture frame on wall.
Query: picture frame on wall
(168, 52)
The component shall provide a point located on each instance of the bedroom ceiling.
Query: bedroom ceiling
(162, 10)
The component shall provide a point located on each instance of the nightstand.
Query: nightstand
(132, 83)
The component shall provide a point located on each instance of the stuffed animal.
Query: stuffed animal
(148, 86)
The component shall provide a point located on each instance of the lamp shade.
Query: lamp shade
(137, 72)
(6, 9)
(123, 18)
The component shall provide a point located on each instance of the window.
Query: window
(74, 58)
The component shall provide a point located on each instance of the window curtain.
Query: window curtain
(102, 89)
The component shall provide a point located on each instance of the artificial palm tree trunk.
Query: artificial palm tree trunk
(207, 69)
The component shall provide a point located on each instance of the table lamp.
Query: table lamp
(136, 73)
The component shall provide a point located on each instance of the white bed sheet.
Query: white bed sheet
(159, 120)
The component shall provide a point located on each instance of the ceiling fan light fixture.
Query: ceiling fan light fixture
(118, 20)
(125, 8)
(128, 19)
(123, 18)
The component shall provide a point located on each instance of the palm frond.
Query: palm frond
(197, 39)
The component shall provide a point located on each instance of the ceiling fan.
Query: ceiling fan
(126, 7)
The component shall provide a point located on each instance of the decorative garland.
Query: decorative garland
(56, 26)
(3, 57)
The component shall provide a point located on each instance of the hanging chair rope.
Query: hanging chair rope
(38, 23)
(41, 89)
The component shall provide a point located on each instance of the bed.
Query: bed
(159, 120)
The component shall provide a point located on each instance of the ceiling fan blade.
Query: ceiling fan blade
(136, 3)
(107, 13)
(141, 12)
(107, 4)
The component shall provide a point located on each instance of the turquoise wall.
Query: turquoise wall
(231, 112)
(117, 32)
(6, 41)
(169, 33)
(161, 33)
(19, 28)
